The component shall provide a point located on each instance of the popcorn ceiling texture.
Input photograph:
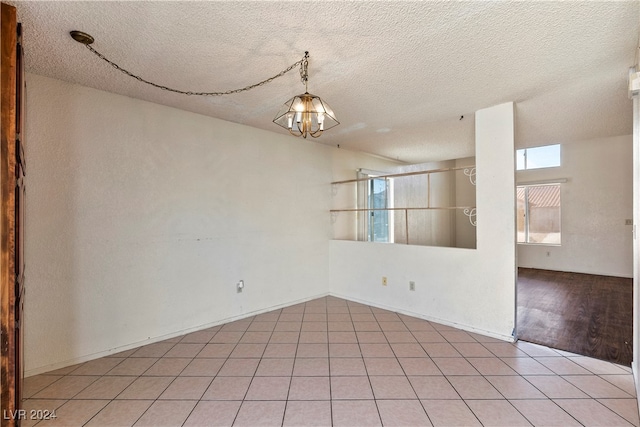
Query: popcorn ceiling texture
(398, 74)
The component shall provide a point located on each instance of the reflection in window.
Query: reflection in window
(431, 204)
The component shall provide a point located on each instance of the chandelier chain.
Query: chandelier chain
(304, 70)
(302, 63)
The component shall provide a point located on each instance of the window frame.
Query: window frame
(527, 213)
(373, 213)
(525, 156)
(365, 193)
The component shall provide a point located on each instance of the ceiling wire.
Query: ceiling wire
(86, 40)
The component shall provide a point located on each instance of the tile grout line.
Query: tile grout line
(533, 385)
(244, 399)
(366, 369)
(286, 402)
(181, 371)
(286, 405)
(445, 376)
(405, 373)
(502, 394)
(528, 382)
(140, 376)
(451, 384)
(329, 365)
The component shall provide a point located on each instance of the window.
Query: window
(539, 214)
(375, 202)
(547, 156)
(380, 218)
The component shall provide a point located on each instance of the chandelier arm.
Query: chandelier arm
(302, 130)
(316, 133)
(228, 92)
(296, 133)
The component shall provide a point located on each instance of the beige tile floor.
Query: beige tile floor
(335, 362)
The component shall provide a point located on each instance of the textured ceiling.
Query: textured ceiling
(399, 75)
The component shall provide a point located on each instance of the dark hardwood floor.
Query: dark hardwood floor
(581, 313)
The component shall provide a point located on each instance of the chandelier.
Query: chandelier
(302, 115)
(306, 114)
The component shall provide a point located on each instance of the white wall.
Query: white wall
(141, 218)
(596, 200)
(472, 289)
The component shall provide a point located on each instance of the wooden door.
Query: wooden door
(11, 211)
(20, 199)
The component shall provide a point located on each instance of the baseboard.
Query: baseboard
(590, 273)
(467, 328)
(89, 357)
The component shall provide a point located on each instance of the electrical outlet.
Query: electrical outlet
(548, 253)
(240, 286)
(384, 281)
(628, 222)
(412, 286)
